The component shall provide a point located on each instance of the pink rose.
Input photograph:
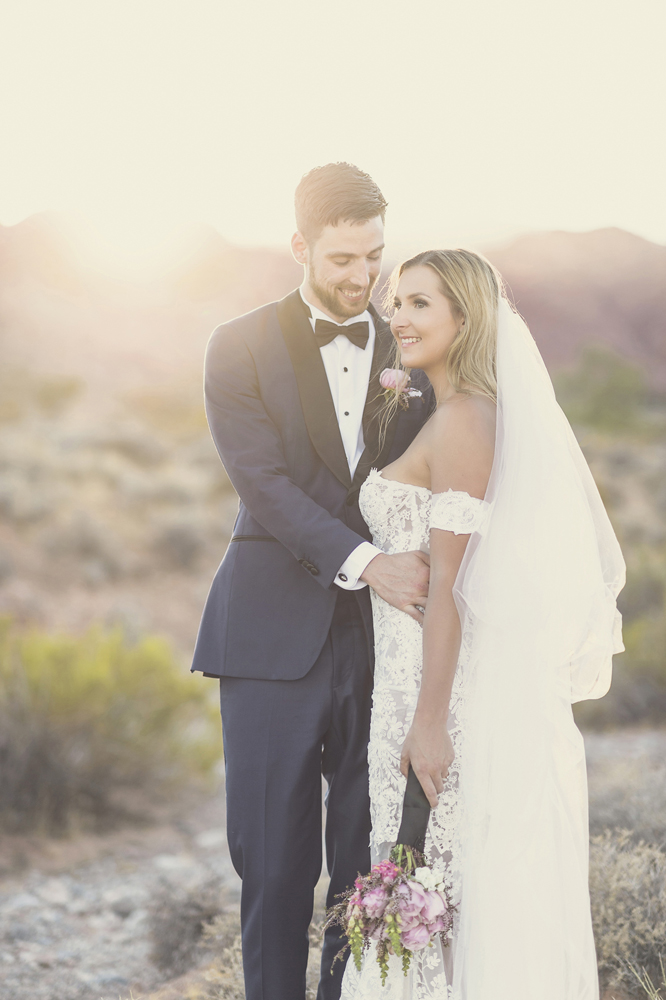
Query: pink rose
(374, 902)
(416, 938)
(412, 903)
(394, 378)
(436, 926)
(434, 906)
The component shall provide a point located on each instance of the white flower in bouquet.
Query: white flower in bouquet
(428, 878)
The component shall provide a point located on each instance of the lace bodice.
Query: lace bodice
(401, 515)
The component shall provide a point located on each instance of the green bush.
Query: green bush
(82, 718)
(604, 391)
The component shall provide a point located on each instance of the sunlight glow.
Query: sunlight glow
(478, 120)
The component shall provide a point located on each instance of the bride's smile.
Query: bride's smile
(425, 324)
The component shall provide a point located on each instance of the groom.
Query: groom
(293, 402)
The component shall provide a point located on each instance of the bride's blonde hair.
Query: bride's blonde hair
(473, 287)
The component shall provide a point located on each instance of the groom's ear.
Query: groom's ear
(299, 248)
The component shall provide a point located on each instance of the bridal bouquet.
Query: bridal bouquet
(402, 905)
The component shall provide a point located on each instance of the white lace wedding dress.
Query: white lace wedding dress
(400, 517)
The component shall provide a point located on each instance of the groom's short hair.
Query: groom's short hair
(338, 192)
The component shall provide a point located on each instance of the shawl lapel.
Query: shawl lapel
(315, 393)
(374, 404)
(313, 387)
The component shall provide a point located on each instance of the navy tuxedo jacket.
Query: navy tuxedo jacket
(272, 418)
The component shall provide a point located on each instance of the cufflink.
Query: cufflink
(343, 577)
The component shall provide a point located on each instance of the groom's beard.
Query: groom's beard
(333, 300)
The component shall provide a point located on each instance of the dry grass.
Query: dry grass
(627, 780)
(628, 890)
(177, 919)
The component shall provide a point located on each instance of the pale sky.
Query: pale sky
(479, 119)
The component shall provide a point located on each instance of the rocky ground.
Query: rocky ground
(75, 914)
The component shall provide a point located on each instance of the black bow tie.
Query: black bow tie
(325, 332)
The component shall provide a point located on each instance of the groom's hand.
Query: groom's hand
(401, 579)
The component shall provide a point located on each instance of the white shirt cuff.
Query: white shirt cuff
(348, 576)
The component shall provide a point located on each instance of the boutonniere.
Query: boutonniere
(395, 383)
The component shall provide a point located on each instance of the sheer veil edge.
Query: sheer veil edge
(539, 585)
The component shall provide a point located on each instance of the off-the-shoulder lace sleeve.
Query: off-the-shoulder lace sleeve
(458, 512)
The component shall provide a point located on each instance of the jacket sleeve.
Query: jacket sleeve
(250, 447)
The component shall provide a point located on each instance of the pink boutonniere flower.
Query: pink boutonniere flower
(395, 382)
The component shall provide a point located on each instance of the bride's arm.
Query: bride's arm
(460, 453)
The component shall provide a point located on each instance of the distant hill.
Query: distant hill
(607, 286)
(59, 317)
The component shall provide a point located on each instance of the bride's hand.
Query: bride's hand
(428, 748)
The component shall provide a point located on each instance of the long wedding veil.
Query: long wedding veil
(540, 586)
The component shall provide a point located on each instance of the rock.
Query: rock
(211, 838)
(22, 901)
(112, 979)
(174, 862)
(80, 905)
(55, 891)
(122, 901)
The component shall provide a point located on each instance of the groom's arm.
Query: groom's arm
(250, 447)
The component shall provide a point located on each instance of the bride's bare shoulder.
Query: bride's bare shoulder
(464, 417)
(460, 443)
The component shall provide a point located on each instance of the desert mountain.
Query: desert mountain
(606, 286)
(58, 316)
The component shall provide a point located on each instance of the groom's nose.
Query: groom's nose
(361, 273)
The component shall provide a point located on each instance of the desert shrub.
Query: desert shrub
(88, 542)
(628, 892)
(131, 442)
(644, 594)
(23, 393)
(176, 410)
(53, 395)
(23, 502)
(177, 918)
(223, 980)
(604, 391)
(84, 717)
(652, 989)
(638, 691)
(629, 795)
(179, 544)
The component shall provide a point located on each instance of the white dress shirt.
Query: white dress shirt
(348, 372)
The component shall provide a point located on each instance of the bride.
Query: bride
(520, 622)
